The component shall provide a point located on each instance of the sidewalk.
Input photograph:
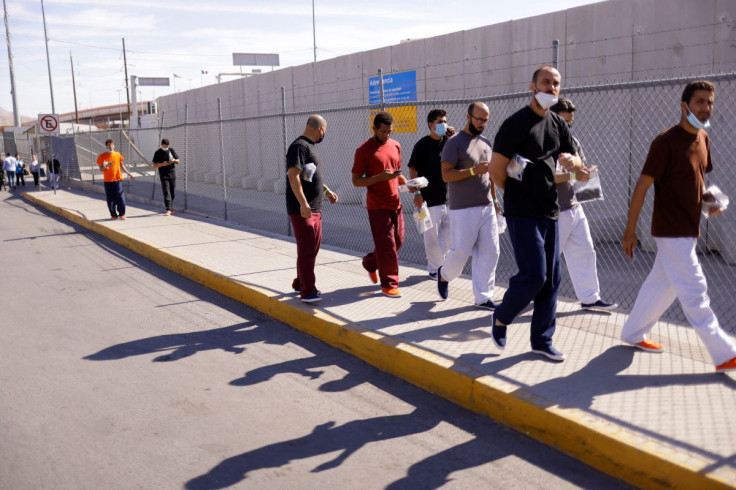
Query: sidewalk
(653, 420)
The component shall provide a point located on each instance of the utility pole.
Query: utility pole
(314, 34)
(48, 60)
(74, 86)
(127, 90)
(16, 114)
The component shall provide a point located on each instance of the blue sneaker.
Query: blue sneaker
(312, 298)
(442, 286)
(550, 352)
(498, 334)
(488, 305)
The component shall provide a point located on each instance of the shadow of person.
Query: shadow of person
(181, 345)
(307, 367)
(325, 438)
(602, 376)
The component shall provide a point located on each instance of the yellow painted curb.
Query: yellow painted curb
(610, 448)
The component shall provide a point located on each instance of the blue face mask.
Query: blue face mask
(695, 122)
(440, 129)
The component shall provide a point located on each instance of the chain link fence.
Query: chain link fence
(234, 169)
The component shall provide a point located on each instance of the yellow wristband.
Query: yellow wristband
(472, 172)
(326, 191)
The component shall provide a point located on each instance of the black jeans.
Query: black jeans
(168, 184)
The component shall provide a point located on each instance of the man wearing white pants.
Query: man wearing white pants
(426, 162)
(473, 207)
(576, 243)
(677, 162)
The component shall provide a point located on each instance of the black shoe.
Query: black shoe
(498, 334)
(442, 286)
(550, 353)
(433, 275)
(488, 305)
(598, 305)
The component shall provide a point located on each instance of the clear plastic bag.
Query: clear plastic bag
(422, 218)
(517, 165)
(418, 183)
(591, 189)
(713, 200)
(501, 223)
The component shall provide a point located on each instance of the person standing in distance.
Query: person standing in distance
(676, 164)
(377, 167)
(54, 168)
(111, 164)
(542, 139)
(426, 162)
(575, 239)
(473, 206)
(304, 189)
(165, 160)
(35, 169)
(9, 165)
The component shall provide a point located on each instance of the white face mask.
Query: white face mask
(165, 149)
(695, 122)
(546, 100)
(109, 150)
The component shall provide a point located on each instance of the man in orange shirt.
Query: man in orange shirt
(111, 164)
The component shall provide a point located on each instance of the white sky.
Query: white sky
(164, 37)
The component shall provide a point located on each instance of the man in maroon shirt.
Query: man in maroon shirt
(677, 162)
(377, 166)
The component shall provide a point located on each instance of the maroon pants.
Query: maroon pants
(308, 233)
(387, 228)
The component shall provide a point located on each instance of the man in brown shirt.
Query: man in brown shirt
(677, 162)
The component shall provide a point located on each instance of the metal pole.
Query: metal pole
(127, 90)
(555, 52)
(160, 128)
(55, 180)
(48, 61)
(16, 114)
(186, 153)
(380, 87)
(285, 149)
(91, 154)
(222, 156)
(74, 87)
(314, 34)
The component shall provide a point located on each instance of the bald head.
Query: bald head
(316, 128)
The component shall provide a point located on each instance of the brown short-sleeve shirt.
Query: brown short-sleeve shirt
(678, 161)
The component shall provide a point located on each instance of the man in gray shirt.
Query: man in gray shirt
(473, 208)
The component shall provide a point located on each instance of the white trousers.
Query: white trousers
(577, 246)
(474, 231)
(437, 238)
(677, 274)
(54, 181)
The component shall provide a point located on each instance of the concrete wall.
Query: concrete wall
(610, 41)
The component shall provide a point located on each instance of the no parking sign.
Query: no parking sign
(48, 123)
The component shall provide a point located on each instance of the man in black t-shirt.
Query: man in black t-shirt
(165, 160)
(304, 188)
(426, 162)
(539, 139)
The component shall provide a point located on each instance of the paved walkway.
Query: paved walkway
(653, 420)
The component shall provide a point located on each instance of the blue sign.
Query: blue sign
(397, 87)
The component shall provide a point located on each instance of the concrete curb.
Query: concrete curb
(620, 452)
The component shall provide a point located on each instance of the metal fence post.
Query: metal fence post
(91, 154)
(222, 155)
(555, 52)
(186, 153)
(380, 88)
(160, 129)
(286, 148)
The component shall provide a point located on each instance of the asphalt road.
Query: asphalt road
(116, 373)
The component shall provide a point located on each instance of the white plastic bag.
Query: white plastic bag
(713, 199)
(516, 166)
(422, 218)
(419, 183)
(591, 189)
(501, 223)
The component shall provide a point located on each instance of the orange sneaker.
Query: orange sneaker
(123, 217)
(391, 293)
(727, 366)
(167, 213)
(649, 346)
(373, 276)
